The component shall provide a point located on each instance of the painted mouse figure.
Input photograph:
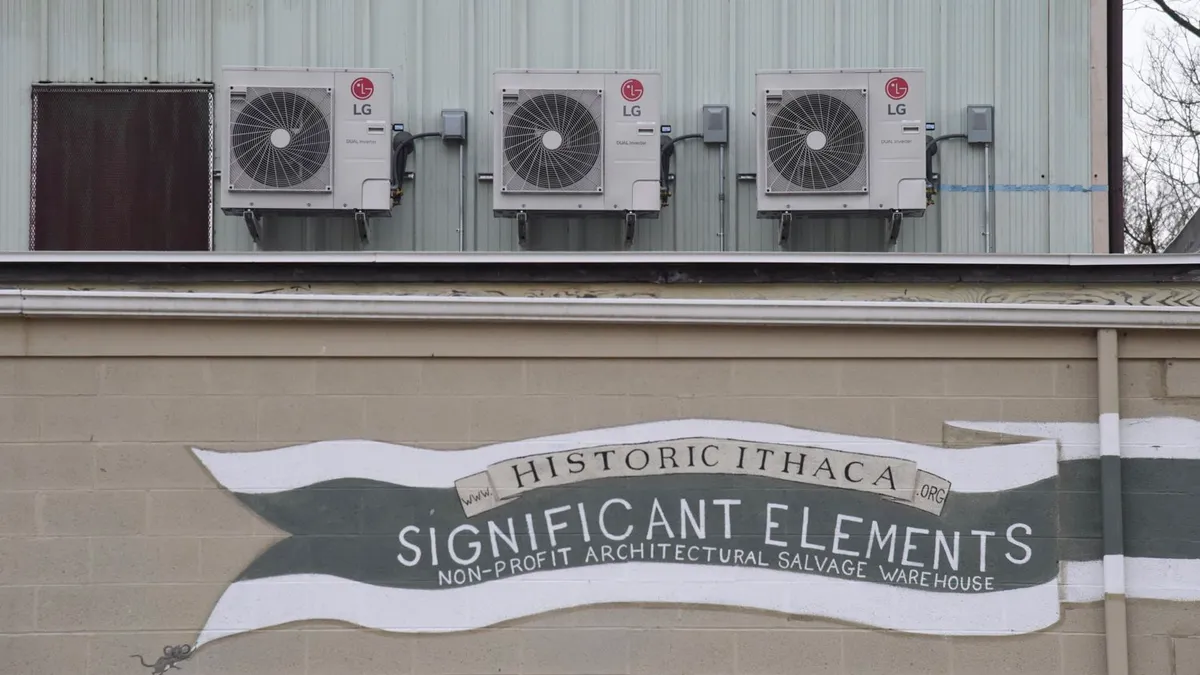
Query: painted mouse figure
(171, 657)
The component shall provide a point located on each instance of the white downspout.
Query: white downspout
(1116, 630)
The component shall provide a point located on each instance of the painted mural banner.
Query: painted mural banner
(922, 539)
(893, 478)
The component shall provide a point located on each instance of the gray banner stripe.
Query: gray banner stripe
(1159, 497)
(350, 528)
(1112, 499)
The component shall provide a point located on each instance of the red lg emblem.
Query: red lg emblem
(897, 88)
(362, 88)
(632, 90)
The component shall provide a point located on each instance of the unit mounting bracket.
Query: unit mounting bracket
(522, 229)
(363, 222)
(785, 228)
(630, 228)
(895, 219)
(254, 224)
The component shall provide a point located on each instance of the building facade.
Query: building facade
(1041, 63)
(518, 479)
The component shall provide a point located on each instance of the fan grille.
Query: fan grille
(280, 139)
(817, 141)
(553, 141)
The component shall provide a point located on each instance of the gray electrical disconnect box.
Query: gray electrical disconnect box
(716, 124)
(454, 125)
(980, 124)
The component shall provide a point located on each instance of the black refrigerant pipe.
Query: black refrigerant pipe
(668, 151)
(403, 144)
(931, 149)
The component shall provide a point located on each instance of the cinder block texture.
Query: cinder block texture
(114, 540)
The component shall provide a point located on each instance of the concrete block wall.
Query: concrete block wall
(115, 541)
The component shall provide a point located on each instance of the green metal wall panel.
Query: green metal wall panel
(1028, 58)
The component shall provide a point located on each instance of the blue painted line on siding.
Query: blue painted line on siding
(1026, 188)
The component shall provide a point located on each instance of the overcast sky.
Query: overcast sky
(1138, 22)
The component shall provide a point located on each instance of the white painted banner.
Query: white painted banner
(790, 573)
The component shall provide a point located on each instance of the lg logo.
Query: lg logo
(896, 89)
(632, 90)
(362, 89)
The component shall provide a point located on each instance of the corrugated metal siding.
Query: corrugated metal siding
(1069, 147)
(21, 62)
(1028, 57)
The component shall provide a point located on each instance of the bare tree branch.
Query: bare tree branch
(1162, 163)
(1157, 205)
(1181, 20)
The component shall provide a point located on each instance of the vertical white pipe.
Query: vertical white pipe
(724, 234)
(462, 196)
(1116, 631)
(987, 198)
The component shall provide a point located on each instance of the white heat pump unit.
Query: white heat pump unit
(305, 141)
(576, 143)
(841, 143)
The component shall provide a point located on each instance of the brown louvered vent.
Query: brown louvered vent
(121, 168)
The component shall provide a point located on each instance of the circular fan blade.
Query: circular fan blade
(816, 141)
(280, 139)
(552, 141)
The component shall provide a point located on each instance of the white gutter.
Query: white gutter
(133, 304)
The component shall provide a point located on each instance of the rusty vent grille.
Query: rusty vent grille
(121, 168)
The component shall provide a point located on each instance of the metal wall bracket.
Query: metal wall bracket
(523, 229)
(895, 219)
(254, 224)
(785, 229)
(363, 222)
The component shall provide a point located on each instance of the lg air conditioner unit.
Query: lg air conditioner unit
(576, 143)
(841, 143)
(305, 141)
